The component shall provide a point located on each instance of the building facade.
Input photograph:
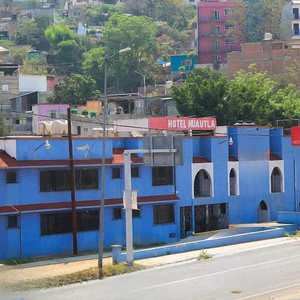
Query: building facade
(296, 19)
(208, 184)
(277, 58)
(217, 34)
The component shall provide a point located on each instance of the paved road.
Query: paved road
(266, 273)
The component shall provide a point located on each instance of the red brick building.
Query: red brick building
(216, 31)
(274, 57)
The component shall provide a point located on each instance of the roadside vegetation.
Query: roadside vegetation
(293, 235)
(77, 277)
(204, 255)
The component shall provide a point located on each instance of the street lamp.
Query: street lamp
(144, 81)
(101, 214)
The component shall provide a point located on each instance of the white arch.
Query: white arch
(208, 167)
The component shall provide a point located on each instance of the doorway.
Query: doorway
(263, 212)
(211, 217)
(185, 220)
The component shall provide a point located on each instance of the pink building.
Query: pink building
(217, 34)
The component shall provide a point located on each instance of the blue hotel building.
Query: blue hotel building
(207, 185)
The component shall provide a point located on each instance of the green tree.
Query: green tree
(178, 42)
(74, 89)
(58, 33)
(64, 43)
(68, 51)
(27, 32)
(43, 22)
(247, 98)
(93, 65)
(202, 94)
(175, 12)
(138, 33)
(250, 96)
(99, 15)
(31, 32)
(31, 66)
(19, 54)
(255, 18)
(254, 96)
(4, 129)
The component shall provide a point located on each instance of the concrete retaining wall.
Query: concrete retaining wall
(267, 233)
(290, 217)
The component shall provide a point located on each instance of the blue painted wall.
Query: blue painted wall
(177, 62)
(251, 148)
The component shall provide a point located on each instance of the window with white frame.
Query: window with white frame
(276, 181)
(232, 183)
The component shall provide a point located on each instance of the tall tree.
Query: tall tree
(99, 15)
(93, 65)
(260, 16)
(64, 42)
(202, 94)
(43, 22)
(4, 129)
(138, 33)
(27, 32)
(74, 89)
(175, 12)
(250, 96)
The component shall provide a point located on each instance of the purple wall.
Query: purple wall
(42, 112)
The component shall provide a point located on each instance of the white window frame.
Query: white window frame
(236, 166)
(280, 165)
(208, 167)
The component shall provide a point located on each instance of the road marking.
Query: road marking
(271, 291)
(218, 273)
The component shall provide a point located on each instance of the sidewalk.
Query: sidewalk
(62, 266)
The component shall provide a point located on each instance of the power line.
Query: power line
(147, 128)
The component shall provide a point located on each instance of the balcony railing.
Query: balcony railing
(212, 34)
(211, 19)
(225, 48)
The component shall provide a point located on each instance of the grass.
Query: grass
(77, 277)
(7, 43)
(204, 255)
(236, 292)
(294, 235)
(16, 261)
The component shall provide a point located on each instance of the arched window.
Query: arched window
(276, 181)
(263, 205)
(263, 213)
(202, 184)
(232, 183)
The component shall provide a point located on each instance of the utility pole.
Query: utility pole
(72, 185)
(104, 134)
(101, 213)
(144, 82)
(130, 196)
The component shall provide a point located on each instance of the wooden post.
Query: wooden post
(72, 185)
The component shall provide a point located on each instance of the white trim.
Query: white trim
(236, 166)
(280, 165)
(208, 167)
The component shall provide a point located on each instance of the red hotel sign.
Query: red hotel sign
(179, 124)
(295, 134)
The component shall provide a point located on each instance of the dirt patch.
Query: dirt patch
(76, 277)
